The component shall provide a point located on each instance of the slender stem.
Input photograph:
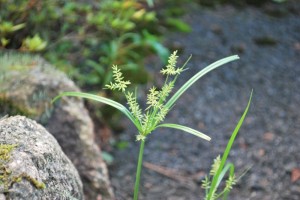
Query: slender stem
(138, 171)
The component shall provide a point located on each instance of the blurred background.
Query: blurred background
(85, 38)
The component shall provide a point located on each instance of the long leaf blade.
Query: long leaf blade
(104, 100)
(197, 76)
(186, 129)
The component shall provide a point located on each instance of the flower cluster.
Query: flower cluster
(153, 98)
(134, 106)
(156, 110)
(231, 181)
(119, 84)
(215, 166)
(171, 67)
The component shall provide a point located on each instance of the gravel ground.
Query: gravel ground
(268, 141)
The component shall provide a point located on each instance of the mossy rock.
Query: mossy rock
(27, 86)
(20, 90)
(33, 165)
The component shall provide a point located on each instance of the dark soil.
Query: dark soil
(268, 41)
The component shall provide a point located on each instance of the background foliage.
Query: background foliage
(85, 38)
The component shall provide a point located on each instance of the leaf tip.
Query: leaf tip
(236, 56)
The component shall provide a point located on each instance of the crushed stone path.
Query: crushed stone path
(268, 143)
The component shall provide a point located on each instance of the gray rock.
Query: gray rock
(36, 168)
(28, 85)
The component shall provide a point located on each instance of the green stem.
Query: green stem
(138, 171)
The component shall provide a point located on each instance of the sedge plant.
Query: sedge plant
(221, 167)
(158, 103)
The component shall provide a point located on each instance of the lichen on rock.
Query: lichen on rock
(33, 166)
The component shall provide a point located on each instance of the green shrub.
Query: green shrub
(83, 39)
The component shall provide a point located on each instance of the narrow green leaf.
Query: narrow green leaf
(228, 148)
(104, 100)
(186, 129)
(197, 76)
(228, 167)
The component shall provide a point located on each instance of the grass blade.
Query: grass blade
(228, 148)
(197, 76)
(228, 167)
(104, 100)
(186, 129)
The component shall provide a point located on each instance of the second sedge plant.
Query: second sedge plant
(220, 167)
(158, 103)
